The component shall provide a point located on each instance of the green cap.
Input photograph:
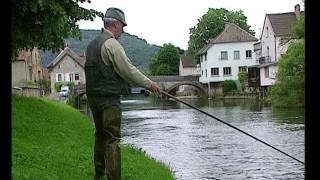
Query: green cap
(116, 14)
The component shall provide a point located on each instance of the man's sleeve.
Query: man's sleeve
(113, 51)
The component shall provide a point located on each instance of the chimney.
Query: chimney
(297, 11)
(226, 21)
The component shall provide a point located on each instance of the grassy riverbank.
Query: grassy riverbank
(51, 140)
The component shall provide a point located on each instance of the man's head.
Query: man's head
(114, 21)
(116, 14)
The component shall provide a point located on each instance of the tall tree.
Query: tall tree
(289, 88)
(211, 24)
(166, 61)
(46, 23)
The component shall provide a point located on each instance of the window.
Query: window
(266, 72)
(224, 55)
(236, 54)
(248, 54)
(242, 68)
(206, 73)
(59, 77)
(267, 31)
(227, 71)
(205, 56)
(214, 71)
(58, 66)
(201, 72)
(76, 77)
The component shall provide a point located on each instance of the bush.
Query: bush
(58, 86)
(228, 85)
(242, 77)
(31, 82)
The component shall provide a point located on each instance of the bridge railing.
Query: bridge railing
(173, 78)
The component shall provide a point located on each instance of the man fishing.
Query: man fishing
(108, 73)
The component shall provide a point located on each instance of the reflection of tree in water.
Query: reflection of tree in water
(250, 104)
(289, 115)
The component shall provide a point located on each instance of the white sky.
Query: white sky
(169, 21)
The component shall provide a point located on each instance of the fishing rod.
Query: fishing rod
(183, 102)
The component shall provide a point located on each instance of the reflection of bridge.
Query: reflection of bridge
(167, 83)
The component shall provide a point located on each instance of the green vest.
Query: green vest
(101, 79)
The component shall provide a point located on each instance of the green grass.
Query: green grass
(51, 140)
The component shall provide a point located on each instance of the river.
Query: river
(197, 147)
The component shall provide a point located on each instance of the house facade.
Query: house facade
(275, 38)
(225, 56)
(188, 66)
(67, 67)
(27, 67)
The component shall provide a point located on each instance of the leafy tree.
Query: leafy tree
(46, 23)
(211, 24)
(242, 77)
(289, 87)
(299, 27)
(166, 61)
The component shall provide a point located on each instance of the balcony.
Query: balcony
(265, 59)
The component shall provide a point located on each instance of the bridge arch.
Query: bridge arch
(194, 84)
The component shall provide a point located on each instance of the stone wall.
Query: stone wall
(27, 91)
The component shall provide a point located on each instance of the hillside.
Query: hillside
(138, 50)
(51, 140)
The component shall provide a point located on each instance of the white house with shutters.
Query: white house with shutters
(67, 67)
(229, 53)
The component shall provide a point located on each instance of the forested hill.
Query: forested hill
(137, 49)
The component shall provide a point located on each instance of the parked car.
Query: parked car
(64, 92)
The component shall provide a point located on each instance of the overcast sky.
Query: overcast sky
(169, 21)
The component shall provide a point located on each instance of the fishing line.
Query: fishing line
(179, 100)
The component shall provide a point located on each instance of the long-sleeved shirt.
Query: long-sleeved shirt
(113, 52)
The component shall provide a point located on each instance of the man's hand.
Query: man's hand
(155, 88)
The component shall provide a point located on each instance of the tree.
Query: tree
(289, 87)
(166, 61)
(46, 23)
(211, 24)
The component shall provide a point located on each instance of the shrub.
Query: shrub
(242, 77)
(58, 86)
(228, 85)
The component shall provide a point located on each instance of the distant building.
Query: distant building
(27, 67)
(67, 67)
(227, 54)
(188, 66)
(274, 41)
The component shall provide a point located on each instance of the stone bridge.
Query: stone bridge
(167, 83)
(172, 83)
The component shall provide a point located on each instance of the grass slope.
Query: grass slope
(51, 140)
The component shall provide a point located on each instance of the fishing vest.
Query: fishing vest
(102, 79)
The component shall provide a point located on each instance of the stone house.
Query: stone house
(67, 67)
(27, 67)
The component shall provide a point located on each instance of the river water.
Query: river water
(197, 147)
